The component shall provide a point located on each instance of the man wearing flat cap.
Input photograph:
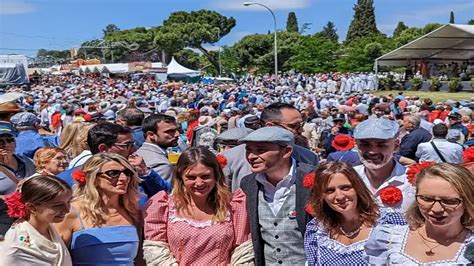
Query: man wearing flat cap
(377, 142)
(28, 139)
(275, 197)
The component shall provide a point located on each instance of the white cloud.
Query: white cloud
(16, 7)
(272, 4)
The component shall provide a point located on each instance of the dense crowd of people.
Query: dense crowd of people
(313, 169)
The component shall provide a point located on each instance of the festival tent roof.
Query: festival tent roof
(449, 43)
(175, 69)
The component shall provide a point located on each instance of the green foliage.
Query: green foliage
(88, 50)
(435, 84)
(305, 27)
(329, 31)
(399, 29)
(416, 83)
(454, 84)
(451, 17)
(359, 55)
(431, 27)
(315, 54)
(55, 56)
(193, 29)
(292, 22)
(111, 28)
(470, 22)
(133, 44)
(188, 58)
(250, 48)
(407, 36)
(363, 23)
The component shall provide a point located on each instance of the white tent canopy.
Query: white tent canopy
(449, 43)
(175, 69)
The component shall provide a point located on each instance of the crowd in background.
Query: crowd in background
(312, 169)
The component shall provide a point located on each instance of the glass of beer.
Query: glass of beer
(173, 155)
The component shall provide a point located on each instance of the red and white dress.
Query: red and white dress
(190, 241)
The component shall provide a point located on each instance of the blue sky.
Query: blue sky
(28, 25)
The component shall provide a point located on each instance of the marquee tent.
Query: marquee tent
(449, 43)
(175, 70)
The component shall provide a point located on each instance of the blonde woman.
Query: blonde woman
(74, 142)
(214, 221)
(440, 222)
(50, 161)
(104, 223)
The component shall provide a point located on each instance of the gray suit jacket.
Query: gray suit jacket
(155, 157)
(237, 166)
(251, 188)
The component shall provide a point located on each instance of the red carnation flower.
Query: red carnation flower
(468, 155)
(16, 206)
(308, 180)
(221, 160)
(415, 169)
(79, 176)
(391, 195)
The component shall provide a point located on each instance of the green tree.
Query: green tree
(329, 31)
(470, 22)
(407, 36)
(363, 23)
(292, 22)
(89, 50)
(188, 58)
(111, 28)
(315, 54)
(194, 29)
(398, 30)
(451, 17)
(130, 45)
(431, 27)
(250, 49)
(53, 56)
(305, 27)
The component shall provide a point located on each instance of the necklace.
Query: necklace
(430, 252)
(352, 233)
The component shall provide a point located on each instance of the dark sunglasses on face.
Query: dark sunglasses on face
(4, 141)
(115, 174)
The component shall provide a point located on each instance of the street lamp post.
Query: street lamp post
(275, 52)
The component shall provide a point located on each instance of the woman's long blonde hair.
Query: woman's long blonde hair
(218, 199)
(74, 138)
(89, 196)
(463, 182)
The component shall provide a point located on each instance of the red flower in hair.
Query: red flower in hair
(415, 169)
(308, 180)
(221, 160)
(468, 155)
(79, 176)
(391, 195)
(16, 206)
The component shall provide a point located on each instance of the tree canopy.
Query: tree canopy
(292, 22)
(363, 23)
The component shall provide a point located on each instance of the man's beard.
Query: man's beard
(373, 166)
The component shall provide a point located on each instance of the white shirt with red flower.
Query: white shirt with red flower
(396, 192)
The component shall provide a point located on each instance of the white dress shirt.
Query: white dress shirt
(276, 195)
(452, 152)
(397, 179)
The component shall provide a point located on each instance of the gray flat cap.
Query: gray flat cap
(376, 128)
(24, 119)
(234, 134)
(276, 135)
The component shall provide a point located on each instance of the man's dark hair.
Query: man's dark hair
(151, 122)
(105, 133)
(440, 131)
(272, 113)
(132, 116)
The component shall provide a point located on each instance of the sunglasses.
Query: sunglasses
(4, 141)
(115, 174)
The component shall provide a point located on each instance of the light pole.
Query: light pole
(275, 52)
(219, 51)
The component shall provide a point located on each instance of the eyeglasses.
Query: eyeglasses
(429, 201)
(294, 126)
(115, 174)
(4, 141)
(126, 145)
